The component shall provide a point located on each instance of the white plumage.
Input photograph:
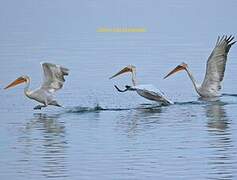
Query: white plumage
(53, 77)
(215, 69)
(147, 91)
(152, 93)
(53, 80)
(216, 64)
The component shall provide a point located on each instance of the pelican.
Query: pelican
(215, 69)
(147, 91)
(53, 81)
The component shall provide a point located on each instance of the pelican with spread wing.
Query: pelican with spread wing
(215, 69)
(53, 81)
(147, 91)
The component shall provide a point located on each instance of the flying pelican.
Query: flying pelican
(53, 81)
(147, 91)
(215, 69)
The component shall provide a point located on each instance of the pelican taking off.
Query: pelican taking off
(147, 91)
(215, 69)
(53, 81)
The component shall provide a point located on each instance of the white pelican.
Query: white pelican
(53, 81)
(147, 91)
(215, 69)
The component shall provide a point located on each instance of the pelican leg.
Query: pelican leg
(39, 107)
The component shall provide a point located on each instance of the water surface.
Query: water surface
(103, 134)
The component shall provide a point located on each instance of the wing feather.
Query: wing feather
(216, 63)
(53, 76)
(152, 93)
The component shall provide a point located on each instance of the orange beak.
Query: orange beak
(124, 70)
(16, 82)
(177, 69)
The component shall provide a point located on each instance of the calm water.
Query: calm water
(103, 134)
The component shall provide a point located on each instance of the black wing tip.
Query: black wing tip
(228, 39)
(232, 43)
(65, 71)
(46, 63)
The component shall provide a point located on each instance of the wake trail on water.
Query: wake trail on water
(146, 106)
(149, 106)
(190, 103)
(232, 95)
(98, 108)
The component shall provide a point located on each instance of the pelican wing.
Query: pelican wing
(152, 93)
(216, 63)
(53, 77)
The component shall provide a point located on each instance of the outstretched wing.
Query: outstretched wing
(216, 63)
(53, 77)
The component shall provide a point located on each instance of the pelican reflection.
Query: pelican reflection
(216, 116)
(45, 134)
(142, 118)
(220, 141)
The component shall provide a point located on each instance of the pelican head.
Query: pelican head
(182, 66)
(129, 68)
(22, 79)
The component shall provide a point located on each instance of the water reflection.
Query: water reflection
(140, 119)
(217, 117)
(220, 142)
(44, 146)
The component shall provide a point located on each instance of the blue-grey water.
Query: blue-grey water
(103, 134)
